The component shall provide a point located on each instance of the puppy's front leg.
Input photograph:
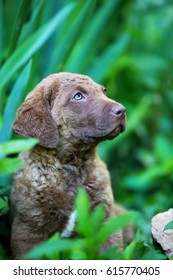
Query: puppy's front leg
(116, 240)
(23, 238)
(122, 237)
(128, 232)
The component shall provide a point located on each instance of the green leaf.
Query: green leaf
(116, 223)
(28, 48)
(16, 146)
(149, 64)
(111, 254)
(15, 99)
(138, 251)
(148, 69)
(47, 248)
(153, 255)
(3, 206)
(129, 250)
(103, 63)
(10, 165)
(65, 44)
(82, 206)
(84, 49)
(163, 148)
(30, 27)
(97, 218)
(24, 9)
(169, 226)
(144, 180)
(138, 114)
(2, 203)
(52, 246)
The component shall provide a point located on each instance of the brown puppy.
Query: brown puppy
(70, 114)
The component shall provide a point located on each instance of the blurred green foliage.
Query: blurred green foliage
(125, 45)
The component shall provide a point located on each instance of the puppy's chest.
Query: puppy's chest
(65, 177)
(73, 176)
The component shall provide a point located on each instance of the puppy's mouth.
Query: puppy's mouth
(108, 135)
(115, 132)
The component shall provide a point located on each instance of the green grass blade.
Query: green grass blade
(83, 212)
(33, 24)
(23, 11)
(67, 42)
(102, 64)
(84, 48)
(10, 165)
(28, 48)
(14, 100)
(16, 146)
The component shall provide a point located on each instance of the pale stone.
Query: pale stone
(161, 236)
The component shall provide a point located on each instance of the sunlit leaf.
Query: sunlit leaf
(16, 146)
(10, 165)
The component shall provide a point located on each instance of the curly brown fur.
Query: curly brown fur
(69, 129)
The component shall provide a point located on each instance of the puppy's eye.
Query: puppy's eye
(78, 96)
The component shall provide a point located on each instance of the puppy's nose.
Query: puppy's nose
(118, 110)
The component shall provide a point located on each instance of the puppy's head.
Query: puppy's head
(71, 107)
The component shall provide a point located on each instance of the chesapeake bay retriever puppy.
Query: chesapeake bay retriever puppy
(70, 114)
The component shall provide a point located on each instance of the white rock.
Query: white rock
(161, 236)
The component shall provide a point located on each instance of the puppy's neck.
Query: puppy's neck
(70, 155)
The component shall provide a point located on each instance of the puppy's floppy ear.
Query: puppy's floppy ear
(34, 116)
